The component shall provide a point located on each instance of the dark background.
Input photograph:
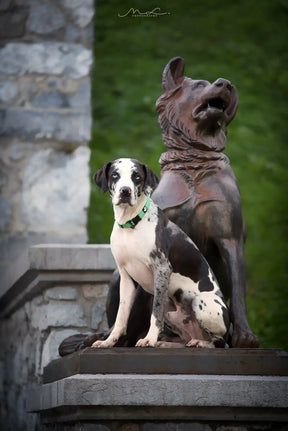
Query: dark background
(244, 41)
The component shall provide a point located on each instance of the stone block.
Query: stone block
(14, 251)
(2, 116)
(12, 22)
(53, 257)
(57, 315)
(3, 180)
(4, 5)
(80, 100)
(50, 348)
(9, 246)
(170, 426)
(45, 18)
(52, 99)
(8, 91)
(63, 293)
(51, 58)
(72, 34)
(2, 373)
(30, 124)
(130, 426)
(164, 390)
(6, 213)
(20, 360)
(97, 313)
(51, 195)
(90, 427)
(94, 290)
(19, 151)
(80, 11)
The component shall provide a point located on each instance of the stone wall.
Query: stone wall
(62, 292)
(45, 125)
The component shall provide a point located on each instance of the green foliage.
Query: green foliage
(243, 41)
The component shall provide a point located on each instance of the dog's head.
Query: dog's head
(195, 109)
(126, 180)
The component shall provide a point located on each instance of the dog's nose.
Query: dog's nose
(125, 191)
(221, 82)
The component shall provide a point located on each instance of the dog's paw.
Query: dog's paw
(103, 344)
(145, 342)
(199, 343)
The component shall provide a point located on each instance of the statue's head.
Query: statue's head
(195, 111)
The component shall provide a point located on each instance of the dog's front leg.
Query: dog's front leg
(127, 296)
(161, 285)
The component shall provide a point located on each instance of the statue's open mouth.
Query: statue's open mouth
(215, 105)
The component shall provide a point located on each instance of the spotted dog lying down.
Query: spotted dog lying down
(154, 252)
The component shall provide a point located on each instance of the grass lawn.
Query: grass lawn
(244, 41)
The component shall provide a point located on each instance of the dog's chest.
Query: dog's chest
(132, 249)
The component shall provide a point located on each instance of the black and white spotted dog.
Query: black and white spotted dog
(159, 256)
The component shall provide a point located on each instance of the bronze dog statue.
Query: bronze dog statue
(198, 189)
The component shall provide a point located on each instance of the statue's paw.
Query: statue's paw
(72, 344)
(146, 342)
(244, 339)
(169, 344)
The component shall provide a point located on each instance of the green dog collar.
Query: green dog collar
(134, 221)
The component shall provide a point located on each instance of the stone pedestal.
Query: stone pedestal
(160, 386)
(62, 291)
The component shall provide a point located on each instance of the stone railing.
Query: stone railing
(62, 292)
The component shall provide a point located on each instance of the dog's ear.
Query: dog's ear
(232, 108)
(173, 73)
(151, 180)
(101, 177)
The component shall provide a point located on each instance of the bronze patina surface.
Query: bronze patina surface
(198, 189)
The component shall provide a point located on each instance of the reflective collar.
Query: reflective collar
(134, 221)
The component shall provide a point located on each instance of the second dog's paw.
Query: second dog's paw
(145, 342)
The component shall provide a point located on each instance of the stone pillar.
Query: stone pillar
(45, 126)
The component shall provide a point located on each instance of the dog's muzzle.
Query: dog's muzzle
(125, 194)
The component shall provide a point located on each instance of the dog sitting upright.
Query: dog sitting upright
(154, 252)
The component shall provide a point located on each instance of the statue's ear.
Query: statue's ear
(173, 73)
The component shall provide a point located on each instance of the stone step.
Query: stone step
(97, 397)
(263, 362)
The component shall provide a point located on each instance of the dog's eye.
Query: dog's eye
(136, 178)
(115, 176)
